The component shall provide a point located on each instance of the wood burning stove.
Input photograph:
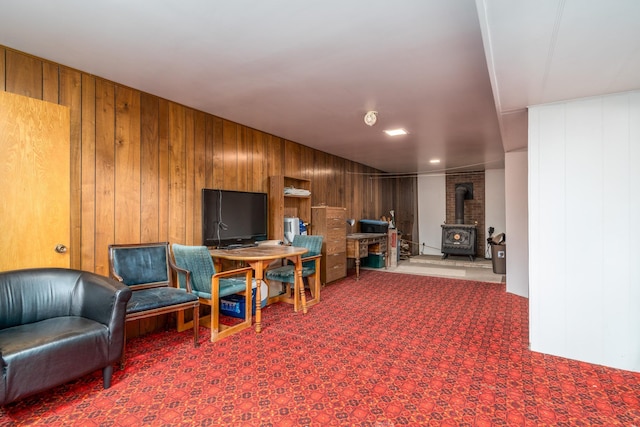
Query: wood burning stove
(460, 238)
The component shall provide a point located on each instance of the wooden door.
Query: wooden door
(34, 183)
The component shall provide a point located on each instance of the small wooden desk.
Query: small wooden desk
(259, 257)
(358, 245)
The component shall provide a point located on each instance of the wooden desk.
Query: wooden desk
(259, 258)
(358, 245)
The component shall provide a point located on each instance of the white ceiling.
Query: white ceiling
(457, 74)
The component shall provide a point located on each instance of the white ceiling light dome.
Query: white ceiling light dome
(371, 118)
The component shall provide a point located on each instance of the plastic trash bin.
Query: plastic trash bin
(499, 258)
(498, 253)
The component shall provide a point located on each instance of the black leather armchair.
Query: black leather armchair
(57, 325)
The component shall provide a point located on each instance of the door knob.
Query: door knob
(60, 248)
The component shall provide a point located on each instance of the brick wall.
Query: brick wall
(473, 209)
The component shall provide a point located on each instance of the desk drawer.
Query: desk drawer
(335, 267)
(364, 248)
(337, 222)
(336, 273)
(335, 245)
(335, 234)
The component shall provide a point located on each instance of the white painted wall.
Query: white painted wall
(584, 207)
(494, 208)
(432, 208)
(432, 213)
(517, 237)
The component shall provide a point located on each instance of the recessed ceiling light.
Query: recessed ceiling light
(434, 161)
(395, 132)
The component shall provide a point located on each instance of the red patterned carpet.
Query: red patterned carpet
(389, 350)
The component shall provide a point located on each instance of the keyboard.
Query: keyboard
(238, 246)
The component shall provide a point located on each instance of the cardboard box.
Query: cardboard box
(393, 252)
(375, 248)
(234, 305)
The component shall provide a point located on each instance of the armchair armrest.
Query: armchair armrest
(235, 272)
(303, 259)
(104, 300)
(178, 271)
(248, 271)
(100, 298)
(115, 276)
(317, 258)
(312, 258)
(215, 282)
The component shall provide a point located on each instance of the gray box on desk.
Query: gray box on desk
(373, 226)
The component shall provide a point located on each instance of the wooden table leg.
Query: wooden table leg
(300, 285)
(258, 274)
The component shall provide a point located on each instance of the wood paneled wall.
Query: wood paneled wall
(138, 162)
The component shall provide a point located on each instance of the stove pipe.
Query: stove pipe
(461, 193)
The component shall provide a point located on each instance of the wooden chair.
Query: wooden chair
(196, 271)
(144, 267)
(310, 271)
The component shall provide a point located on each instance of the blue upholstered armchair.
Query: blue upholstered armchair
(57, 325)
(196, 271)
(145, 269)
(310, 270)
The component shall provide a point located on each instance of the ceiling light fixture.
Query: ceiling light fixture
(434, 161)
(371, 118)
(395, 132)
